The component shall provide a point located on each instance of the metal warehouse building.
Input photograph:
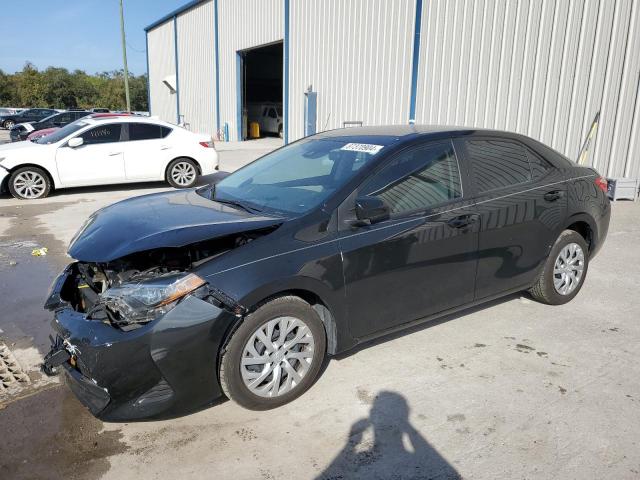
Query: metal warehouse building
(544, 68)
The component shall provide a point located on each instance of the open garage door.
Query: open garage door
(261, 91)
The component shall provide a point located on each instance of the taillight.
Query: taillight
(602, 184)
(208, 144)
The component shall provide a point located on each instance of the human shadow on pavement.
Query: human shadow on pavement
(386, 446)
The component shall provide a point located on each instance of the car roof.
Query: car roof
(119, 118)
(391, 134)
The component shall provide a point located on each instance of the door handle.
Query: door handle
(165, 147)
(553, 195)
(462, 221)
(113, 154)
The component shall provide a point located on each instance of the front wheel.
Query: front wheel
(8, 124)
(564, 271)
(182, 173)
(275, 355)
(29, 183)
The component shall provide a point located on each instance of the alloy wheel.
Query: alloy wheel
(29, 184)
(568, 269)
(183, 173)
(277, 357)
(9, 124)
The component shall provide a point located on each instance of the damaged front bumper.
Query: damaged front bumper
(167, 367)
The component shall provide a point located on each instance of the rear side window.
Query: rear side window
(145, 131)
(539, 166)
(102, 134)
(417, 179)
(497, 164)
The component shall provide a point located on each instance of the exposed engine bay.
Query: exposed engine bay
(136, 289)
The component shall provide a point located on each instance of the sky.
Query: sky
(77, 34)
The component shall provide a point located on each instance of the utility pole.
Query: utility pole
(124, 58)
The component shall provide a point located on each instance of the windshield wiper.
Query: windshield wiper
(236, 203)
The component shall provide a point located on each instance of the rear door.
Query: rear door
(521, 201)
(98, 161)
(423, 259)
(146, 151)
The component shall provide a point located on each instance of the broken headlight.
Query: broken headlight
(145, 300)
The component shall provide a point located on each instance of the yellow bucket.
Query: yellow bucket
(254, 130)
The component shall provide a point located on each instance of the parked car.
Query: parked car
(9, 111)
(241, 288)
(268, 116)
(33, 136)
(22, 130)
(108, 150)
(30, 115)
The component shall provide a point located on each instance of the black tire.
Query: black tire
(182, 163)
(544, 290)
(8, 124)
(230, 374)
(43, 183)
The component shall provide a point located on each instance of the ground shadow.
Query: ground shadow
(385, 445)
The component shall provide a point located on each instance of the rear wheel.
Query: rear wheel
(8, 124)
(564, 271)
(274, 356)
(182, 173)
(29, 183)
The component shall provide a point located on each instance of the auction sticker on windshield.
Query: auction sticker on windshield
(363, 147)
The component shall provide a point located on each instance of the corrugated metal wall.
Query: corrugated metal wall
(242, 25)
(356, 55)
(196, 67)
(161, 64)
(538, 67)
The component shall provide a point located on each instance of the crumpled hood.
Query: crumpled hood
(168, 219)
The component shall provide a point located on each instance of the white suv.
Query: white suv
(106, 150)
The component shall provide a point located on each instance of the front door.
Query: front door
(423, 259)
(98, 161)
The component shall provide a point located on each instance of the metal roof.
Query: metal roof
(174, 13)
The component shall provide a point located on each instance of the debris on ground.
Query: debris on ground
(39, 252)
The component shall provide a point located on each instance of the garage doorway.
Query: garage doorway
(260, 91)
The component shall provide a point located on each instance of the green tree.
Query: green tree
(59, 88)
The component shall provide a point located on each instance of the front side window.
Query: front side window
(417, 179)
(272, 113)
(102, 134)
(144, 131)
(497, 164)
(298, 177)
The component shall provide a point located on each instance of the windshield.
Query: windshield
(62, 133)
(46, 119)
(296, 178)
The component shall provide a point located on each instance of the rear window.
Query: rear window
(497, 164)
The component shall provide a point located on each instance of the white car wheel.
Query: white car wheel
(182, 173)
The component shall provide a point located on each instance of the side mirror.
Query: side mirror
(371, 209)
(75, 142)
